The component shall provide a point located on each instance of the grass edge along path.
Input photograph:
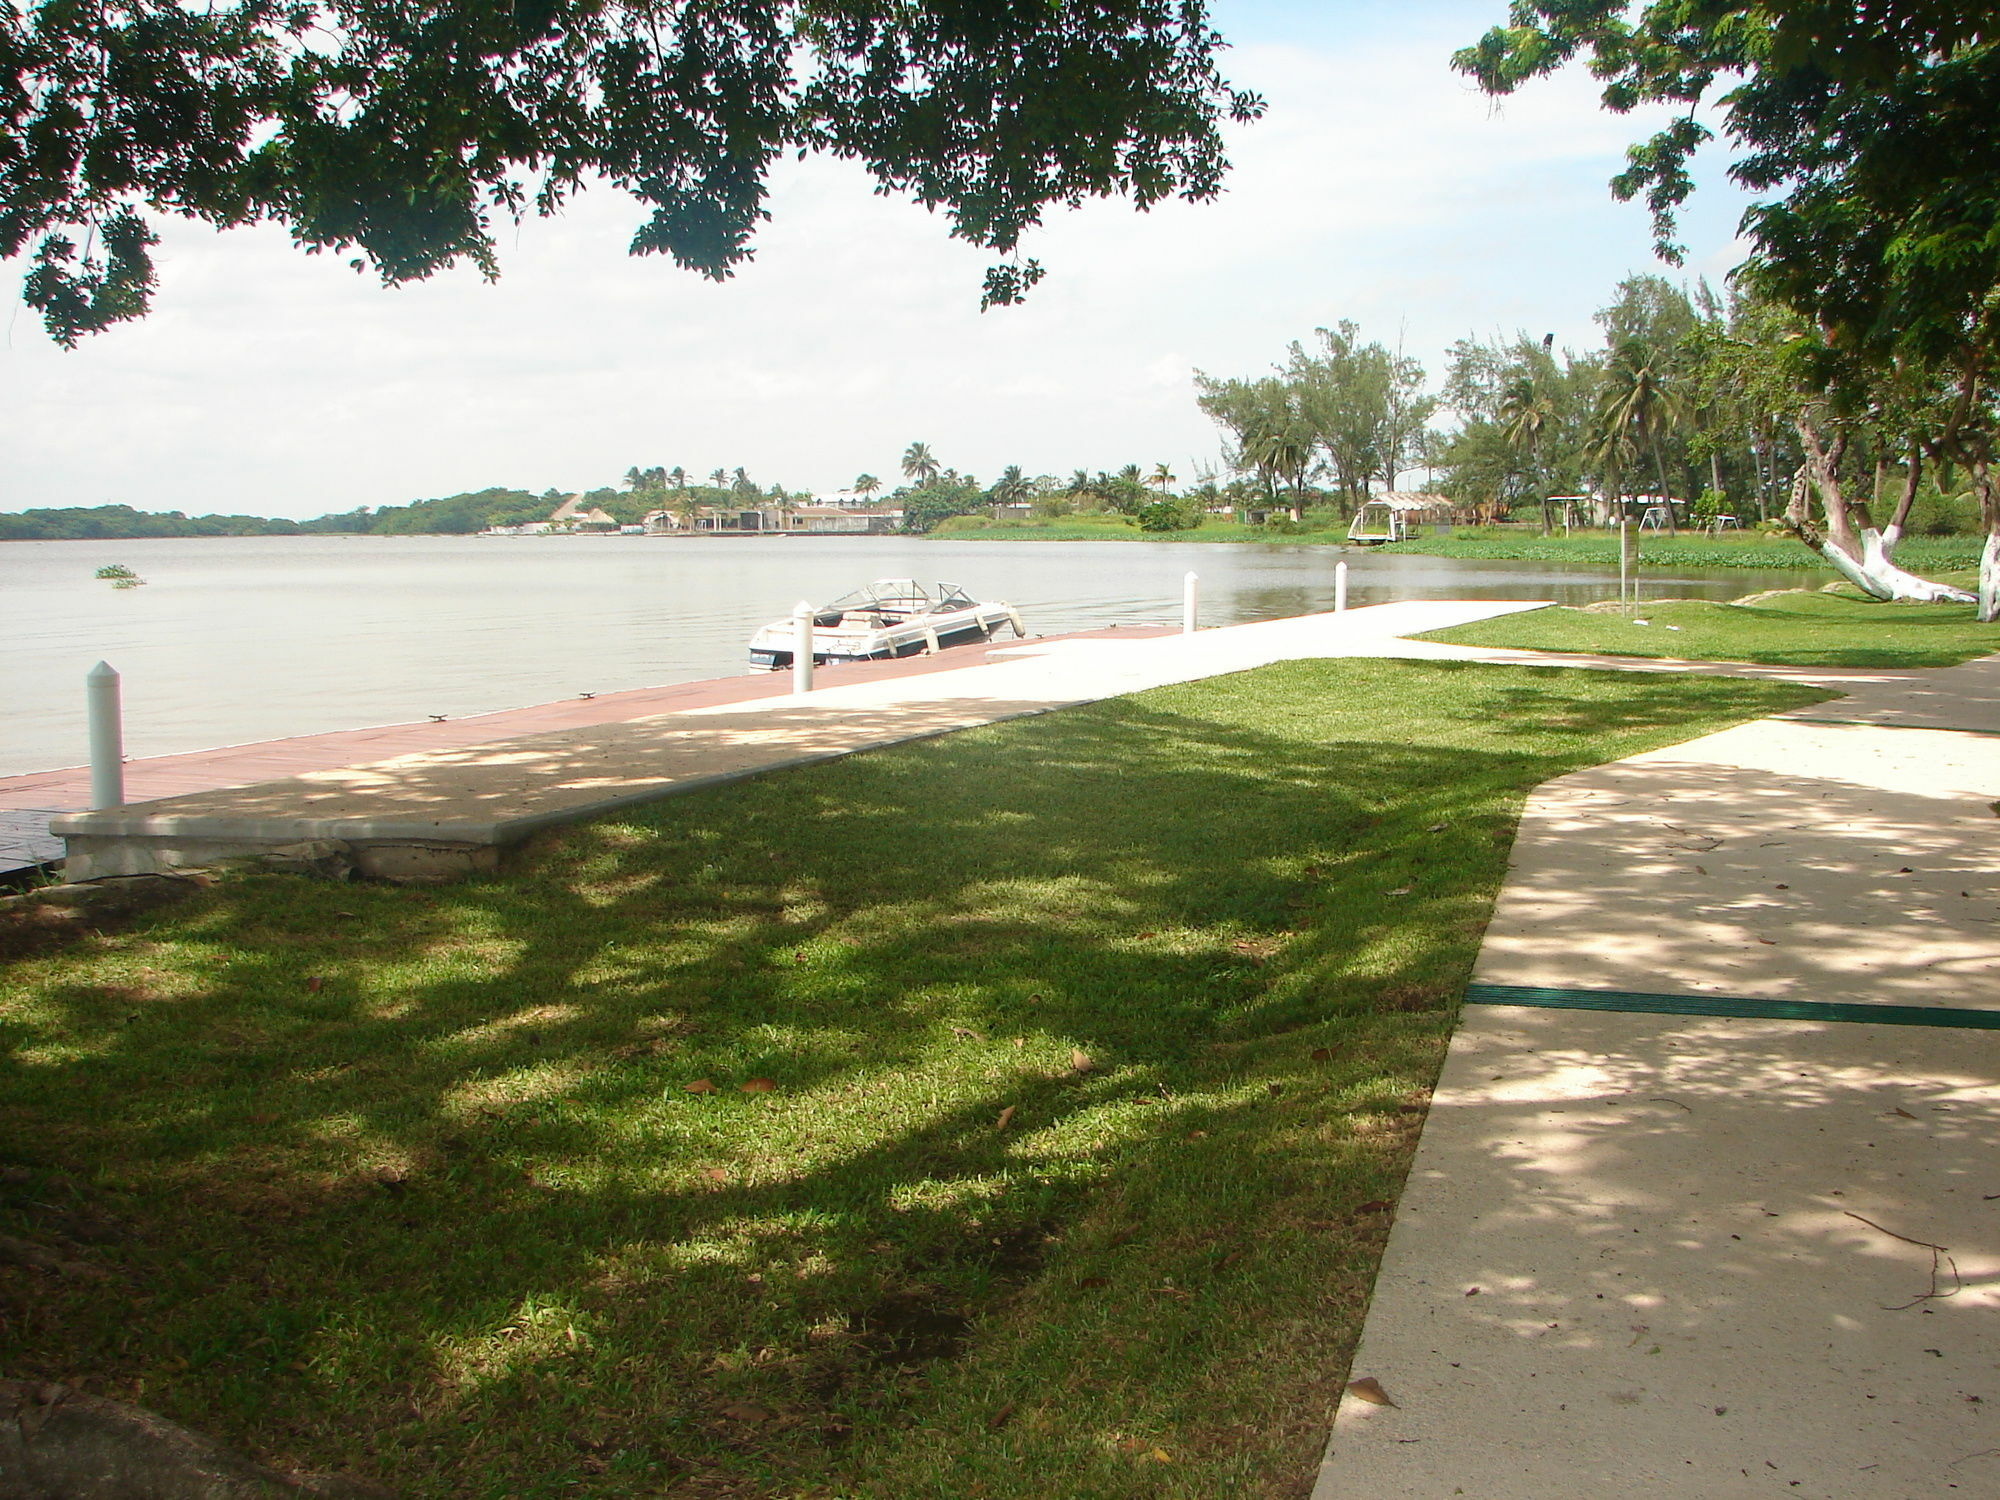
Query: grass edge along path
(1792, 628)
(1009, 1114)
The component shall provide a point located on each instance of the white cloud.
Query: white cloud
(1381, 187)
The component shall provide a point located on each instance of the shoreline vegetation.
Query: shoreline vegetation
(1028, 1101)
(1497, 543)
(1512, 542)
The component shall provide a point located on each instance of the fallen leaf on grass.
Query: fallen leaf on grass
(716, 1174)
(1197, 1135)
(1375, 1206)
(1006, 1118)
(968, 1033)
(756, 1085)
(1000, 1418)
(1369, 1389)
(1080, 1061)
(1160, 1456)
(1322, 1054)
(1401, 890)
(315, 984)
(699, 1086)
(746, 1411)
(1091, 1283)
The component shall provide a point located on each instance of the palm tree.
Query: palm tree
(1011, 487)
(920, 464)
(1162, 476)
(1639, 400)
(677, 477)
(719, 478)
(1526, 413)
(866, 484)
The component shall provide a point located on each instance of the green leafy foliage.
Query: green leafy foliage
(397, 131)
(75, 523)
(461, 515)
(1873, 134)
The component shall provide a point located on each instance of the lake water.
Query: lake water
(234, 640)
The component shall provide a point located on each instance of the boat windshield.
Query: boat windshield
(897, 599)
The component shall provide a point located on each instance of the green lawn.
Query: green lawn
(1799, 629)
(1011, 1114)
(1926, 555)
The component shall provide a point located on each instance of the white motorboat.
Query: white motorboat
(891, 617)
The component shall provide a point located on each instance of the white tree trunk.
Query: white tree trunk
(1989, 579)
(1879, 577)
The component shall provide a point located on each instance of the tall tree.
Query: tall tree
(1272, 438)
(1012, 487)
(866, 484)
(396, 130)
(920, 464)
(1638, 400)
(1873, 134)
(1528, 412)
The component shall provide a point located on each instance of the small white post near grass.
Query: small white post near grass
(1628, 560)
(107, 737)
(802, 648)
(1340, 588)
(1190, 602)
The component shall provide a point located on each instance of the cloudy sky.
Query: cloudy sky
(1380, 187)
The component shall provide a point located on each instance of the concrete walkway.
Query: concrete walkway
(1663, 1254)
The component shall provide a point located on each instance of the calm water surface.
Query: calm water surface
(240, 639)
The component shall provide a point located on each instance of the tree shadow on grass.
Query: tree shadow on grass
(417, 1182)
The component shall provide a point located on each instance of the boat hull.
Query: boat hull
(772, 648)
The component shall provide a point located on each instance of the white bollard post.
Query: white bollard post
(802, 648)
(1190, 603)
(1340, 588)
(107, 737)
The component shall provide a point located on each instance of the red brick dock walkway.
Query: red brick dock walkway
(28, 801)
